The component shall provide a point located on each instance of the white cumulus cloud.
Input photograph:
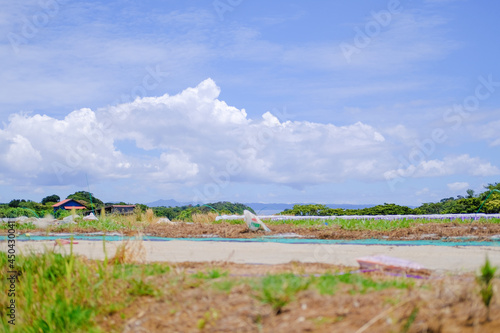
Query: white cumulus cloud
(188, 137)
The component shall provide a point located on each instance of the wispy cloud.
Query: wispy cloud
(458, 186)
(451, 165)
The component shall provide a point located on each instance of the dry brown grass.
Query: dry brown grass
(126, 220)
(149, 216)
(130, 251)
(204, 218)
(137, 214)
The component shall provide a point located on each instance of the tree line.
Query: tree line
(451, 205)
(470, 203)
(21, 207)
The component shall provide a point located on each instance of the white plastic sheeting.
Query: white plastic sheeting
(253, 222)
(90, 217)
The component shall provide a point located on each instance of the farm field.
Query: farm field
(210, 285)
(339, 229)
(348, 228)
(130, 296)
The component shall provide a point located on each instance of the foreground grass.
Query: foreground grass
(19, 226)
(65, 293)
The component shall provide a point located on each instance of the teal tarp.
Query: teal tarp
(443, 242)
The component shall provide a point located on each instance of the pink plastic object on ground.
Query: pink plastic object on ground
(63, 242)
(385, 263)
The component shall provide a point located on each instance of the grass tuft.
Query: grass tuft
(279, 290)
(130, 251)
(485, 280)
(64, 293)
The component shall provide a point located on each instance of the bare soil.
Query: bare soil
(439, 304)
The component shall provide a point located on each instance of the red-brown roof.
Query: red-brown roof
(61, 202)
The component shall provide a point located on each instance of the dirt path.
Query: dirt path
(456, 259)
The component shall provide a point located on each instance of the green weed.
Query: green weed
(234, 222)
(411, 319)
(210, 275)
(279, 290)
(224, 285)
(139, 287)
(328, 284)
(485, 283)
(156, 269)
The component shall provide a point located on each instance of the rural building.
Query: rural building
(119, 209)
(69, 204)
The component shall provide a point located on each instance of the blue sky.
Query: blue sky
(249, 101)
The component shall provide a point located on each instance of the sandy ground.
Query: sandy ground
(447, 258)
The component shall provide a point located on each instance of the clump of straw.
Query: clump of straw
(130, 251)
(150, 216)
(204, 218)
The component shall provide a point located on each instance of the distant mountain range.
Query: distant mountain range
(259, 208)
(166, 203)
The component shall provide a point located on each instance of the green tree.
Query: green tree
(185, 212)
(495, 186)
(14, 203)
(307, 210)
(430, 208)
(141, 207)
(491, 199)
(51, 198)
(492, 206)
(387, 209)
(461, 206)
(85, 197)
